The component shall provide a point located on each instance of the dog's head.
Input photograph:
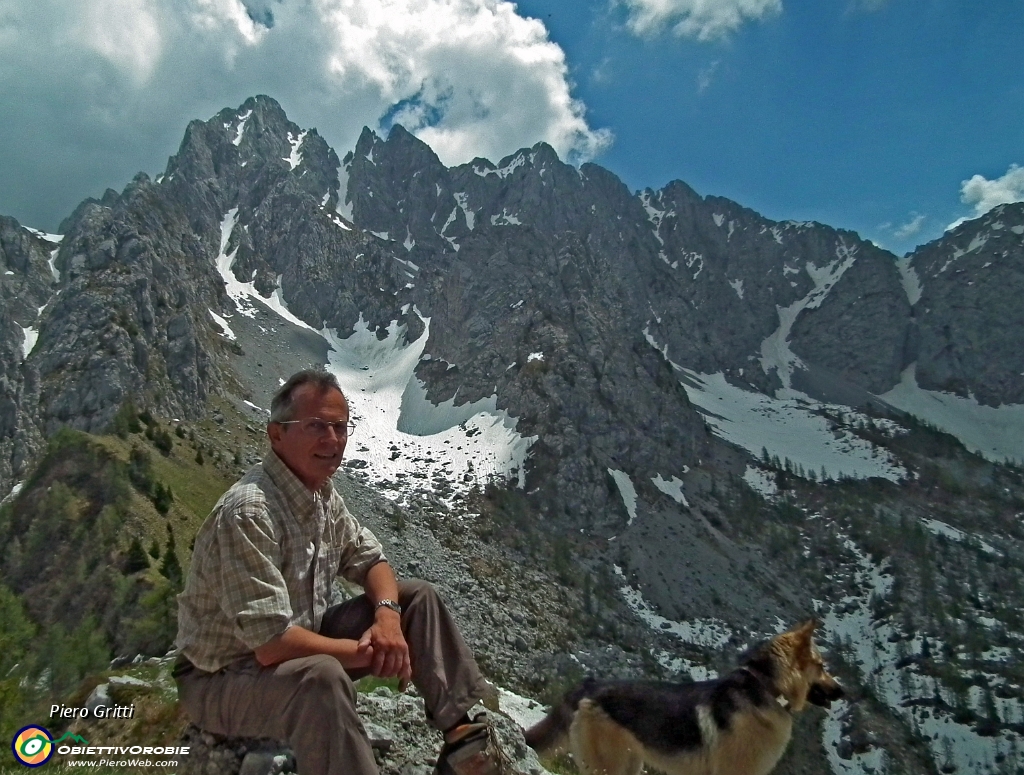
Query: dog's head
(794, 665)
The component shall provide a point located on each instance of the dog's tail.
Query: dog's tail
(549, 735)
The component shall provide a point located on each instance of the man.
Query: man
(263, 651)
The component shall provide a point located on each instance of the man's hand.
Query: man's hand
(387, 644)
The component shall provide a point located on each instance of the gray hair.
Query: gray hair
(282, 405)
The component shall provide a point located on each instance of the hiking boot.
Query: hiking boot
(469, 749)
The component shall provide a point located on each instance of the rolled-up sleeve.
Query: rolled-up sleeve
(253, 593)
(360, 549)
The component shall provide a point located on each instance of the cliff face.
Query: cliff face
(969, 315)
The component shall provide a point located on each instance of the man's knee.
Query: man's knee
(324, 682)
(416, 592)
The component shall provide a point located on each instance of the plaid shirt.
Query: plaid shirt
(264, 560)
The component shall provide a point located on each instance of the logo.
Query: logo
(33, 746)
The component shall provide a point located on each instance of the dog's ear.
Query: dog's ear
(802, 638)
(806, 630)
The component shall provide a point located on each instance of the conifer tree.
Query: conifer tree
(170, 569)
(136, 558)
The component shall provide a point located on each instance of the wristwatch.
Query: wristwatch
(388, 603)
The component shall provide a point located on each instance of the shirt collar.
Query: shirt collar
(295, 492)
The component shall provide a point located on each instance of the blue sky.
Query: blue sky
(858, 117)
(864, 114)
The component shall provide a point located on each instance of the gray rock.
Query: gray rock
(129, 680)
(99, 698)
(380, 738)
(267, 762)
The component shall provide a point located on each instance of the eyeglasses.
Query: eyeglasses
(314, 426)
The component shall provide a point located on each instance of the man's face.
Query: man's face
(313, 459)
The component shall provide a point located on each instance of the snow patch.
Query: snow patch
(243, 294)
(462, 199)
(29, 342)
(538, 356)
(673, 488)
(241, 127)
(294, 159)
(627, 491)
(775, 352)
(13, 493)
(52, 261)
(788, 428)
(710, 633)
(663, 349)
(978, 242)
(935, 527)
(54, 238)
(761, 481)
(344, 206)
(737, 285)
(451, 220)
(654, 215)
(511, 167)
(909, 278)
(690, 259)
(226, 331)
(505, 218)
(996, 433)
(401, 434)
(719, 219)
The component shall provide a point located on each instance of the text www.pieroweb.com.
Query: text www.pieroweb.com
(123, 763)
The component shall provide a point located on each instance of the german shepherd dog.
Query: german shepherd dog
(739, 724)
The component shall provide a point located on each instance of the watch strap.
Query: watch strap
(389, 603)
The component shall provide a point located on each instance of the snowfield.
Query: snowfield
(400, 434)
(788, 428)
(996, 433)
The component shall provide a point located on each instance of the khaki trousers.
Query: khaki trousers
(310, 702)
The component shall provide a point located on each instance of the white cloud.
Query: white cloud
(481, 80)
(911, 227)
(125, 32)
(706, 76)
(701, 19)
(985, 194)
(114, 82)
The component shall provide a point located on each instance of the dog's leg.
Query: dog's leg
(600, 746)
(634, 765)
